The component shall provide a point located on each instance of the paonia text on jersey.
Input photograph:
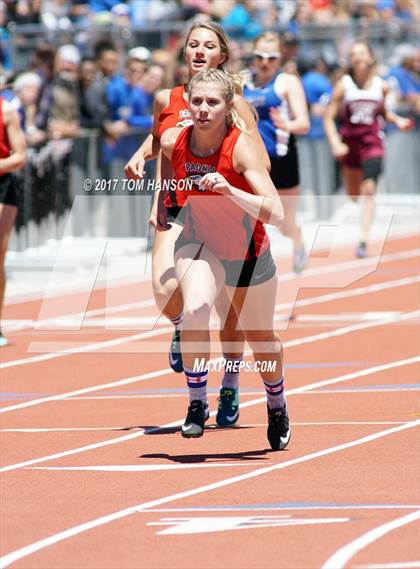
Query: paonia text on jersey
(211, 218)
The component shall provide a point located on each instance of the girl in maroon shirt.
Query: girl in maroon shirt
(358, 101)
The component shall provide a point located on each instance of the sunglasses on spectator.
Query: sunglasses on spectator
(260, 55)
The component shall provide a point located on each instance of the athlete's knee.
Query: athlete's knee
(263, 341)
(164, 290)
(196, 315)
(288, 227)
(368, 188)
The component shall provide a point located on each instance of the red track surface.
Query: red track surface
(352, 464)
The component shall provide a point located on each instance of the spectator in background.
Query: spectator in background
(166, 60)
(322, 11)
(55, 14)
(314, 153)
(404, 81)
(153, 81)
(131, 107)
(43, 64)
(94, 110)
(102, 5)
(63, 121)
(107, 61)
(27, 87)
(140, 56)
(404, 11)
(241, 21)
(5, 60)
(289, 49)
(25, 11)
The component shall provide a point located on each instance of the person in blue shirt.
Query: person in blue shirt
(130, 104)
(241, 22)
(281, 106)
(314, 152)
(404, 81)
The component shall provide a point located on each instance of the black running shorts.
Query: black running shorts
(239, 273)
(285, 169)
(8, 192)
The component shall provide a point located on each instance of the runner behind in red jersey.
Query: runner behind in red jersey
(223, 245)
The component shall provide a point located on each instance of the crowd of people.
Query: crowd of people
(224, 116)
(248, 17)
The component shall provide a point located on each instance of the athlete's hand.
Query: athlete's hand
(134, 169)
(279, 120)
(404, 123)
(340, 150)
(158, 215)
(215, 182)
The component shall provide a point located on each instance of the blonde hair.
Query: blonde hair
(224, 81)
(238, 80)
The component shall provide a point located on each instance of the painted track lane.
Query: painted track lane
(99, 493)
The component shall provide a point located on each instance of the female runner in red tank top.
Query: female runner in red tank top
(359, 103)
(223, 245)
(206, 46)
(12, 158)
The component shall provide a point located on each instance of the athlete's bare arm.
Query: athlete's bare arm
(150, 147)
(265, 203)
(295, 96)
(338, 148)
(242, 107)
(16, 139)
(168, 140)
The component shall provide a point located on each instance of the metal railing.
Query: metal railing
(54, 200)
(384, 36)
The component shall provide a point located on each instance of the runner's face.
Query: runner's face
(208, 107)
(266, 59)
(360, 57)
(203, 51)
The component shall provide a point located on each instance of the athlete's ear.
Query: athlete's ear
(222, 61)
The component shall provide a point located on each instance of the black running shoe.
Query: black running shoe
(278, 431)
(228, 410)
(175, 356)
(197, 415)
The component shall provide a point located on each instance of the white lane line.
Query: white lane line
(346, 377)
(396, 565)
(129, 380)
(289, 506)
(359, 291)
(121, 428)
(144, 467)
(348, 391)
(351, 390)
(79, 349)
(9, 558)
(344, 554)
(353, 328)
(344, 265)
(347, 316)
(44, 323)
(179, 422)
(90, 320)
(63, 350)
